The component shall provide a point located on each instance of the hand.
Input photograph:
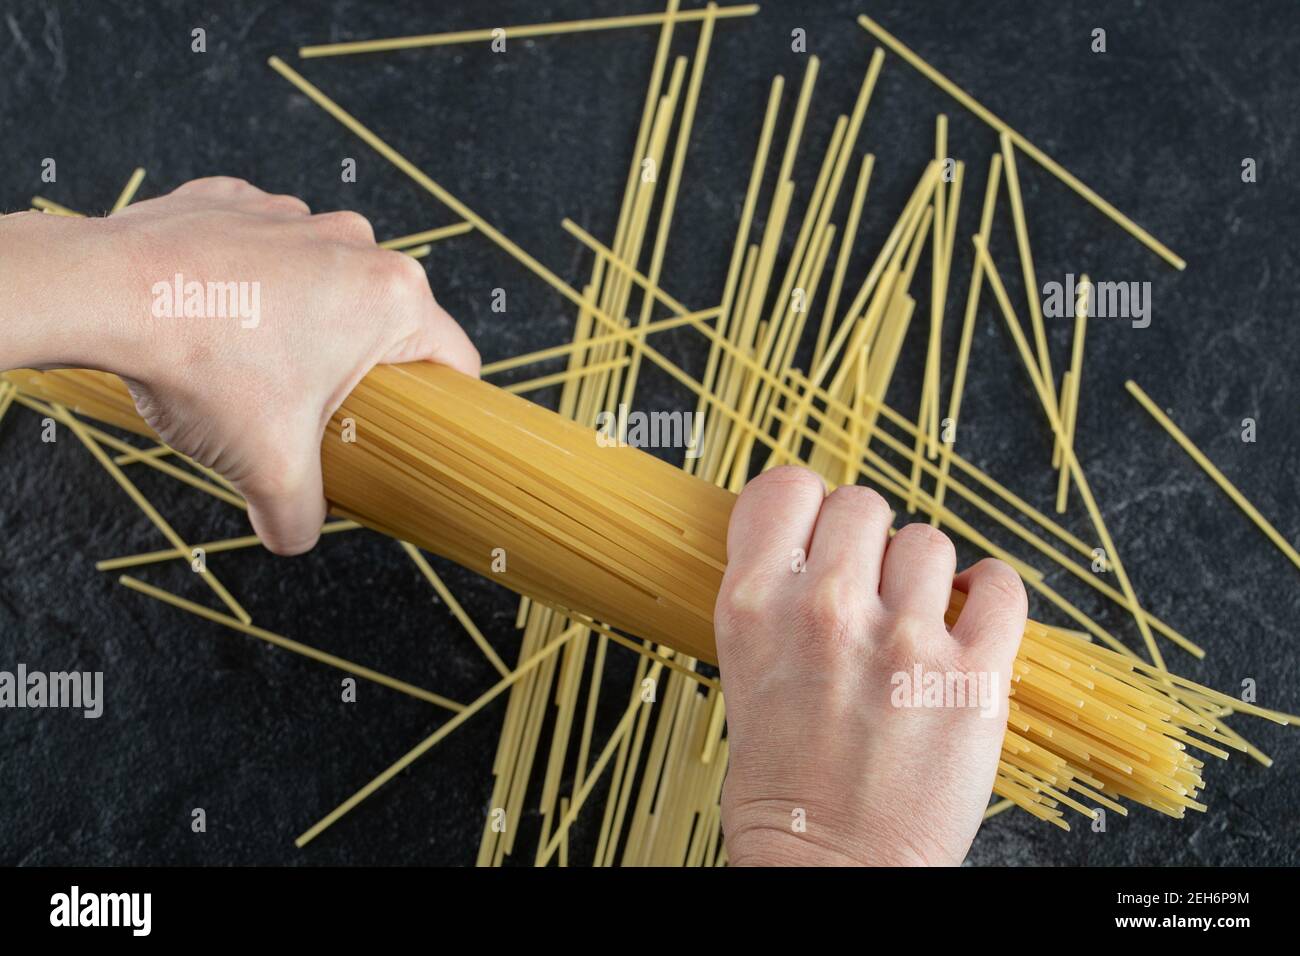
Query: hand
(830, 761)
(247, 390)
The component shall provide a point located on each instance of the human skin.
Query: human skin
(825, 768)
(250, 402)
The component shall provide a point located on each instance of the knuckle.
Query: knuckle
(223, 185)
(400, 274)
(866, 502)
(743, 602)
(287, 203)
(789, 481)
(910, 635)
(999, 577)
(832, 609)
(346, 224)
(926, 538)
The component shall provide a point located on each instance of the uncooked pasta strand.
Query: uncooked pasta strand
(129, 190)
(733, 295)
(966, 100)
(521, 32)
(555, 351)
(454, 606)
(423, 746)
(1027, 268)
(208, 547)
(288, 644)
(130, 454)
(150, 512)
(1210, 469)
(967, 331)
(1076, 377)
(53, 208)
(428, 236)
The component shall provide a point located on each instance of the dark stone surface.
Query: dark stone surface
(198, 716)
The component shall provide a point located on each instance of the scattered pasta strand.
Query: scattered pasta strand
(1209, 468)
(522, 32)
(150, 512)
(53, 208)
(967, 332)
(1027, 269)
(288, 644)
(1028, 148)
(454, 606)
(421, 748)
(8, 392)
(420, 239)
(208, 547)
(222, 491)
(1070, 399)
(129, 190)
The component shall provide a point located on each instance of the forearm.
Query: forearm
(68, 297)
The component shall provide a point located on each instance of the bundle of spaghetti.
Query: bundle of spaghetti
(495, 473)
(1084, 719)
(606, 542)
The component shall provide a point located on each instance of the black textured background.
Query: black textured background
(197, 716)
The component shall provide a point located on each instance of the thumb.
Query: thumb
(286, 501)
(437, 338)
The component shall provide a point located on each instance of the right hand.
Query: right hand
(825, 766)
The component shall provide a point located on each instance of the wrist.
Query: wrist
(70, 296)
(822, 832)
(779, 848)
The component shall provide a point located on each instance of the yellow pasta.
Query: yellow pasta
(1219, 478)
(521, 32)
(129, 190)
(966, 100)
